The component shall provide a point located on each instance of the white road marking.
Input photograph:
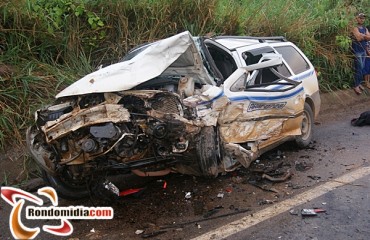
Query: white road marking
(249, 221)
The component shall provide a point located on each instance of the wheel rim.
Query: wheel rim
(306, 126)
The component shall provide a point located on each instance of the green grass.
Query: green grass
(50, 43)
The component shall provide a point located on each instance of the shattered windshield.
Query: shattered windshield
(135, 51)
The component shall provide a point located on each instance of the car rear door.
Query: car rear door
(261, 112)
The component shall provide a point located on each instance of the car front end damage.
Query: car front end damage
(133, 128)
(147, 132)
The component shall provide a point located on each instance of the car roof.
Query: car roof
(233, 42)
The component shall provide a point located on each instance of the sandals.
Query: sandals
(357, 90)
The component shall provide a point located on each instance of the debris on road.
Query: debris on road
(264, 187)
(188, 195)
(265, 201)
(229, 189)
(319, 210)
(130, 191)
(286, 176)
(152, 234)
(314, 177)
(308, 212)
(220, 195)
(139, 231)
(302, 166)
(237, 179)
(311, 211)
(293, 212)
(111, 187)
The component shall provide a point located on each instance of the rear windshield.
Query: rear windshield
(294, 59)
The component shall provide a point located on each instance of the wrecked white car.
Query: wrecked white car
(184, 104)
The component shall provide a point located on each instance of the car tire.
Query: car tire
(66, 189)
(305, 138)
(208, 152)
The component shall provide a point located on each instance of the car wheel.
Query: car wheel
(65, 186)
(208, 152)
(306, 127)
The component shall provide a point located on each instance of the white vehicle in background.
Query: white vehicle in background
(184, 104)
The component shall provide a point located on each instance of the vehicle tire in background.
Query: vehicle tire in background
(306, 127)
(64, 186)
(208, 152)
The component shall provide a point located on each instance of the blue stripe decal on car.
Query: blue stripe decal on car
(268, 98)
(213, 99)
(303, 76)
(296, 78)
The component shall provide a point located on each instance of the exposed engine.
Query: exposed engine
(130, 129)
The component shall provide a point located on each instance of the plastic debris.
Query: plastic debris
(188, 195)
(220, 195)
(312, 211)
(130, 191)
(319, 210)
(111, 187)
(92, 230)
(139, 231)
(308, 212)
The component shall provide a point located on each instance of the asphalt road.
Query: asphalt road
(331, 174)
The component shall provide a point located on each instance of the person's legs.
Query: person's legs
(359, 64)
(367, 81)
(367, 72)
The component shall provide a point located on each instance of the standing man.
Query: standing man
(359, 43)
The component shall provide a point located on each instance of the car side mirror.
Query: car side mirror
(267, 60)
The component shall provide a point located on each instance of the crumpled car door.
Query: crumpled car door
(260, 113)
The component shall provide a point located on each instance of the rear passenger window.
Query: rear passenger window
(265, 75)
(294, 59)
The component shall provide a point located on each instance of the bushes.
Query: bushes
(50, 43)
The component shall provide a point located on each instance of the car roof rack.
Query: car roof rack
(260, 39)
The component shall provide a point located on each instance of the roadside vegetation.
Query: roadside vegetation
(47, 44)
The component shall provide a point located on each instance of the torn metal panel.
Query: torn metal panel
(243, 156)
(85, 117)
(239, 132)
(178, 56)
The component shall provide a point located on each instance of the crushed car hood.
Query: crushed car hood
(176, 55)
